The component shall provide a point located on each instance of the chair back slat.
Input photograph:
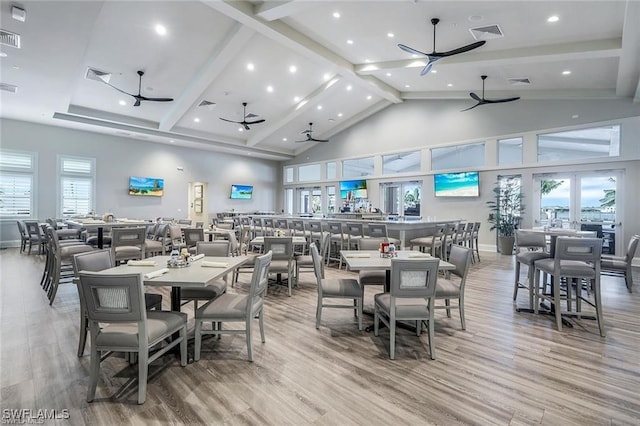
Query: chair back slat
(281, 247)
(530, 240)
(218, 248)
(581, 249)
(414, 277)
(372, 243)
(113, 298)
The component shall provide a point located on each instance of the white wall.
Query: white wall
(117, 158)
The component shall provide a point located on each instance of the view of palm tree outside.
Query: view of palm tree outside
(597, 200)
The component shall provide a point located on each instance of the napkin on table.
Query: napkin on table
(358, 255)
(197, 257)
(155, 274)
(141, 263)
(419, 255)
(210, 264)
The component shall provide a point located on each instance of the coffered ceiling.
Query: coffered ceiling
(330, 63)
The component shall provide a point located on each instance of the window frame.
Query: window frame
(30, 172)
(63, 175)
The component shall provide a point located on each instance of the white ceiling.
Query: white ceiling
(208, 45)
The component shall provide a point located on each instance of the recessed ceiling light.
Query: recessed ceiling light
(413, 55)
(575, 116)
(388, 74)
(566, 72)
(368, 61)
(197, 120)
(284, 139)
(250, 66)
(15, 67)
(3, 55)
(349, 41)
(326, 76)
(369, 97)
(319, 107)
(475, 18)
(406, 86)
(349, 87)
(121, 102)
(161, 29)
(240, 129)
(336, 15)
(296, 99)
(434, 71)
(270, 89)
(293, 69)
(172, 141)
(449, 85)
(390, 35)
(553, 18)
(339, 114)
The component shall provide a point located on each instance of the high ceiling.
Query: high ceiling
(330, 63)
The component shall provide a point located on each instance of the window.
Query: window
(331, 170)
(77, 177)
(458, 157)
(404, 162)
(309, 172)
(357, 167)
(578, 144)
(509, 151)
(17, 177)
(288, 174)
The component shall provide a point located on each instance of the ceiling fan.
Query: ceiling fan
(436, 56)
(483, 101)
(139, 98)
(310, 138)
(244, 123)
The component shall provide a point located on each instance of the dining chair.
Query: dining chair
(297, 226)
(304, 262)
(119, 322)
(175, 235)
(337, 242)
(199, 224)
(411, 298)
(191, 237)
(268, 226)
(431, 242)
(448, 288)
(575, 259)
(379, 230)
(160, 242)
(339, 288)
(621, 266)
(372, 277)
(355, 233)
(534, 245)
(24, 237)
(184, 222)
(94, 261)
(128, 243)
(35, 235)
(282, 257)
(219, 248)
(236, 308)
(474, 241)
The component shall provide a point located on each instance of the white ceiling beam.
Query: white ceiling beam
(568, 94)
(555, 52)
(273, 10)
(310, 100)
(628, 81)
(242, 11)
(221, 55)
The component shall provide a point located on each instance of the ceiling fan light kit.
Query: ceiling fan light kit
(434, 56)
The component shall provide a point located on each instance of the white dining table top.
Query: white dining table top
(355, 259)
(295, 240)
(194, 275)
(562, 232)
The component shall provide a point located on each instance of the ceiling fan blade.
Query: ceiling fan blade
(475, 97)
(499, 101)
(426, 69)
(472, 107)
(462, 49)
(411, 50)
(119, 90)
(144, 98)
(318, 140)
(230, 121)
(255, 121)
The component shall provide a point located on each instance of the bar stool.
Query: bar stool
(535, 246)
(355, 233)
(337, 241)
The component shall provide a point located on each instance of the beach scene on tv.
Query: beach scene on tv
(146, 186)
(242, 192)
(463, 184)
(352, 189)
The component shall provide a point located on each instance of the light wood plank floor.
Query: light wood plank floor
(507, 368)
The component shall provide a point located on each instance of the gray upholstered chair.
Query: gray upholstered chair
(160, 242)
(282, 257)
(304, 262)
(379, 230)
(236, 308)
(621, 266)
(450, 288)
(341, 288)
(35, 235)
(431, 242)
(372, 277)
(128, 243)
(575, 259)
(94, 261)
(219, 248)
(118, 301)
(413, 288)
(191, 237)
(337, 242)
(535, 248)
(24, 237)
(355, 232)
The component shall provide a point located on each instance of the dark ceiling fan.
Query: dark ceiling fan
(436, 56)
(244, 123)
(310, 138)
(139, 98)
(483, 101)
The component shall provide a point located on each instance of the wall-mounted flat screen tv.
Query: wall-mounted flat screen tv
(241, 192)
(146, 186)
(461, 184)
(352, 189)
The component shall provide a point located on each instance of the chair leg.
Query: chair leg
(447, 303)
(516, 280)
(318, 312)
(359, 301)
(461, 310)
(628, 279)
(556, 301)
(249, 341)
(94, 370)
(536, 296)
(530, 278)
(198, 340)
(183, 346)
(84, 328)
(376, 322)
(261, 323)
(392, 338)
(598, 302)
(143, 373)
(432, 349)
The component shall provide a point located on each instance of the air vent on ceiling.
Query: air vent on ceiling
(10, 39)
(8, 88)
(207, 104)
(97, 75)
(487, 32)
(519, 81)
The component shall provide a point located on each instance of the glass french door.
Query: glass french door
(310, 200)
(402, 198)
(582, 201)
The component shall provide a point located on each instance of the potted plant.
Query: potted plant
(506, 212)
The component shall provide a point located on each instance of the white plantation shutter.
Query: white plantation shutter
(77, 177)
(16, 184)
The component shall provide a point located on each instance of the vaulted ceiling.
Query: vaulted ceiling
(330, 63)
